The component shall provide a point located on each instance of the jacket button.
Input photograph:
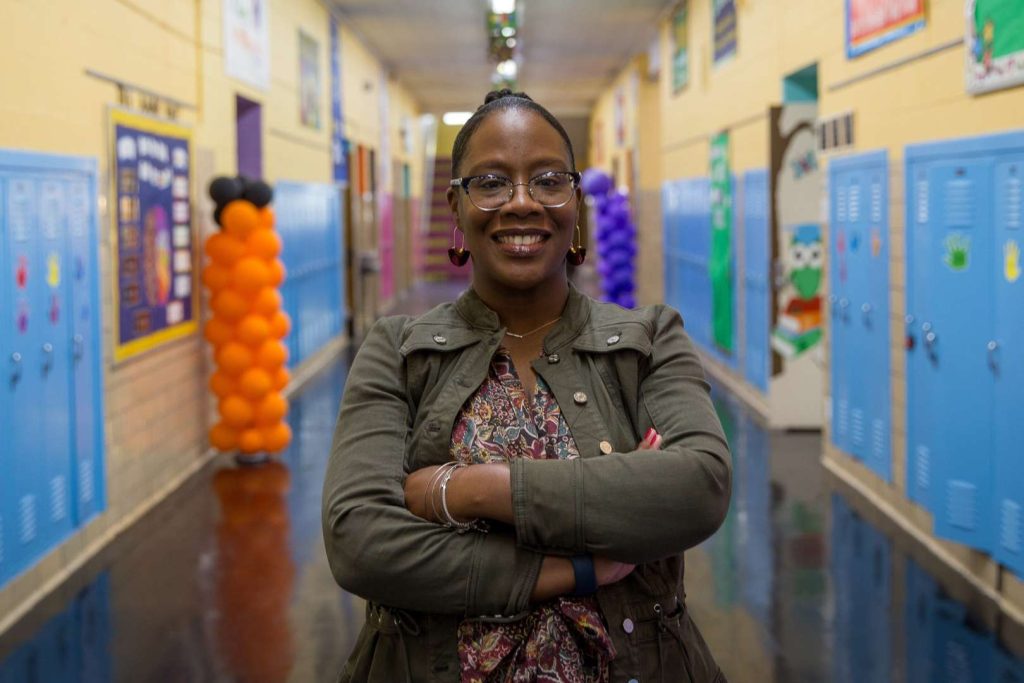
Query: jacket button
(579, 397)
(553, 358)
(440, 339)
(606, 448)
(633, 680)
(614, 339)
(627, 625)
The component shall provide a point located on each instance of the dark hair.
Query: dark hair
(503, 100)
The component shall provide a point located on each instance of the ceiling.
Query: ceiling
(569, 50)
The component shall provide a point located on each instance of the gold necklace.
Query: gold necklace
(537, 329)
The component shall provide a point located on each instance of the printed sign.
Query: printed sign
(680, 46)
(724, 29)
(720, 263)
(872, 23)
(247, 41)
(151, 198)
(309, 81)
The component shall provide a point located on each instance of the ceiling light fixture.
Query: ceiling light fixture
(503, 6)
(456, 118)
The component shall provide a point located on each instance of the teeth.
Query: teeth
(520, 240)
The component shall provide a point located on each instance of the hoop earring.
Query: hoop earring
(459, 256)
(577, 253)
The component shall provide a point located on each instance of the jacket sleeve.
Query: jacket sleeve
(379, 550)
(638, 506)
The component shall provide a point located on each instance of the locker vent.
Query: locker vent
(959, 203)
(58, 499)
(841, 204)
(878, 439)
(961, 507)
(86, 485)
(876, 202)
(27, 509)
(923, 467)
(857, 426)
(855, 203)
(1010, 537)
(843, 417)
(1013, 203)
(921, 192)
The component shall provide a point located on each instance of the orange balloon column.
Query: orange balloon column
(246, 330)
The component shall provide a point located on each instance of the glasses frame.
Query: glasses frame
(464, 182)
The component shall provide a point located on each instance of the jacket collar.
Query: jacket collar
(575, 316)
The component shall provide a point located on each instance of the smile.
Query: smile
(520, 240)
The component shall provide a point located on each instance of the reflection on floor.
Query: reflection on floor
(227, 580)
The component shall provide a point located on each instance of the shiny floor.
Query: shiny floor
(227, 579)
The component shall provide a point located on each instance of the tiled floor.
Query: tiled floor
(227, 580)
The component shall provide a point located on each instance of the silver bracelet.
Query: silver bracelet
(451, 522)
(432, 488)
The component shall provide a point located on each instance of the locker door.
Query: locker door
(27, 387)
(755, 277)
(8, 373)
(1006, 360)
(874, 318)
(87, 376)
(920, 476)
(839, 274)
(53, 307)
(919, 610)
(966, 654)
(957, 327)
(851, 309)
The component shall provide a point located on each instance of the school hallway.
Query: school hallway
(227, 579)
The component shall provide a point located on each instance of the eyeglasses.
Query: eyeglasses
(490, 192)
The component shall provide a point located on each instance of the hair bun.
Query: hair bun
(504, 92)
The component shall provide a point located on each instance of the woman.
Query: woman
(550, 547)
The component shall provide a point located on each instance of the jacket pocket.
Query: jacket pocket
(668, 646)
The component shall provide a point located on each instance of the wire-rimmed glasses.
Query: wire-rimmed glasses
(490, 192)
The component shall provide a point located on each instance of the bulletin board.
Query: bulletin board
(152, 236)
(995, 44)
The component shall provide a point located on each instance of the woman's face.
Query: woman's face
(520, 145)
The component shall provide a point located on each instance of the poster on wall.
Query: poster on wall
(151, 200)
(795, 181)
(724, 29)
(720, 261)
(339, 154)
(309, 81)
(995, 44)
(680, 46)
(247, 41)
(873, 23)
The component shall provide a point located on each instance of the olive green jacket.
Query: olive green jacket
(615, 373)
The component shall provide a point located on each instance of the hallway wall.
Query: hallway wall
(153, 439)
(903, 92)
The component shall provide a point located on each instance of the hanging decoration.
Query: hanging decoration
(616, 238)
(243, 276)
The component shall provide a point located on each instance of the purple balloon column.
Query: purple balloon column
(616, 238)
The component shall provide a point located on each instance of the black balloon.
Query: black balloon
(225, 189)
(258, 192)
(217, 212)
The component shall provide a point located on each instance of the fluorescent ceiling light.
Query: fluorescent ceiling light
(456, 118)
(503, 6)
(508, 68)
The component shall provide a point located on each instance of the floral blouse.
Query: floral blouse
(563, 640)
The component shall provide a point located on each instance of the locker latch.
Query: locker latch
(15, 368)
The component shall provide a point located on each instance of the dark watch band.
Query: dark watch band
(586, 579)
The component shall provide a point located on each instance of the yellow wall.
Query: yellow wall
(154, 440)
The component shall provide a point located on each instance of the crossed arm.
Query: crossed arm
(389, 552)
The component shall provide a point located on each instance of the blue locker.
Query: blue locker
(310, 225)
(859, 309)
(919, 609)
(756, 292)
(1006, 358)
(50, 407)
(956, 358)
(753, 501)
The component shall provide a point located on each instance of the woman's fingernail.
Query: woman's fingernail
(657, 441)
(649, 434)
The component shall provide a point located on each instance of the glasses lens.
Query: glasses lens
(489, 192)
(552, 189)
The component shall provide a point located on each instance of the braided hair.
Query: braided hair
(503, 100)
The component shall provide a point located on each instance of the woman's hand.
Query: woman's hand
(610, 571)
